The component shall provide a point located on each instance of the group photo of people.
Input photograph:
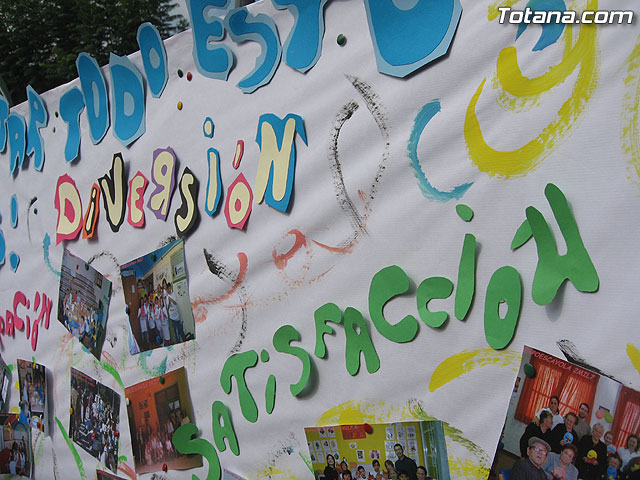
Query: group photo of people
(156, 408)
(15, 446)
(567, 422)
(157, 297)
(404, 468)
(412, 450)
(83, 302)
(33, 395)
(95, 414)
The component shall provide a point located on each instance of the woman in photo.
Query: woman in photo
(330, 472)
(542, 431)
(391, 472)
(629, 451)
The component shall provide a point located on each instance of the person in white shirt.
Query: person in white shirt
(629, 451)
(174, 314)
(554, 408)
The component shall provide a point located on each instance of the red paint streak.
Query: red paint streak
(347, 249)
(362, 196)
(128, 470)
(109, 359)
(281, 260)
(199, 303)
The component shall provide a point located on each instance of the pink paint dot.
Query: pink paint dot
(238, 205)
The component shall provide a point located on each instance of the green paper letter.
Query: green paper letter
(185, 444)
(553, 269)
(358, 341)
(329, 312)
(505, 286)
(282, 343)
(386, 284)
(466, 277)
(219, 411)
(235, 366)
(430, 288)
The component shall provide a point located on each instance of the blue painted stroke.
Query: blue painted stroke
(429, 191)
(46, 243)
(550, 31)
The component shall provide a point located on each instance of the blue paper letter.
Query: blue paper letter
(154, 58)
(212, 62)
(71, 106)
(127, 92)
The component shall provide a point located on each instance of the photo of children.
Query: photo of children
(15, 446)
(156, 408)
(94, 417)
(567, 421)
(366, 454)
(33, 395)
(83, 302)
(157, 297)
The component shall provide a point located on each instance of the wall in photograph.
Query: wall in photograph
(373, 224)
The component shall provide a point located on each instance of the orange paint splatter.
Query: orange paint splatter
(281, 261)
(128, 470)
(198, 305)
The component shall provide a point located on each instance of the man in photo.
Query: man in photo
(405, 463)
(530, 467)
(583, 428)
(174, 314)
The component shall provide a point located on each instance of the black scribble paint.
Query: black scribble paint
(105, 254)
(372, 102)
(167, 241)
(283, 447)
(224, 273)
(345, 202)
(55, 464)
(158, 476)
(111, 338)
(31, 202)
(570, 352)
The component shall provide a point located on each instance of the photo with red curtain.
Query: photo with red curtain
(627, 416)
(554, 377)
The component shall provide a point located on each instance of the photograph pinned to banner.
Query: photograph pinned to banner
(229, 475)
(565, 403)
(94, 418)
(157, 296)
(83, 302)
(5, 382)
(391, 433)
(16, 457)
(428, 448)
(102, 475)
(34, 408)
(157, 408)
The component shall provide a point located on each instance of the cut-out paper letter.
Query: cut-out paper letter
(17, 140)
(408, 34)
(235, 367)
(224, 430)
(154, 58)
(187, 215)
(358, 342)
(163, 176)
(261, 28)
(466, 288)
(114, 193)
(303, 46)
(69, 206)
(505, 286)
(184, 442)
(214, 182)
(212, 62)
(553, 269)
(388, 283)
(93, 212)
(329, 312)
(71, 106)
(38, 118)
(276, 166)
(430, 288)
(135, 200)
(94, 90)
(237, 207)
(282, 343)
(127, 92)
